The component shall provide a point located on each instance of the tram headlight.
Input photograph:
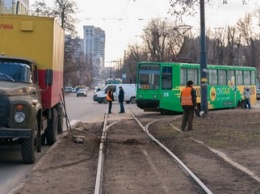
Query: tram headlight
(19, 117)
(154, 96)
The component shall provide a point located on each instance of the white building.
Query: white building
(14, 7)
(94, 49)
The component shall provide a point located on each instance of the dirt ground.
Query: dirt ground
(71, 167)
(68, 167)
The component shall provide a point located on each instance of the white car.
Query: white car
(82, 92)
(68, 89)
(74, 90)
(129, 89)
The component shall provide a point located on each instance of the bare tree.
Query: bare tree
(131, 60)
(181, 8)
(40, 8)
(232, 45)
(244, 27)
(162, 40)
(138, 52)
(156, 36)
(64, 11)
(70, 69)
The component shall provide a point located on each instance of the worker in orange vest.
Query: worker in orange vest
(110, 98)
(189, 104)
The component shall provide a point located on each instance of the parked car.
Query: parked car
(82, 92)
(68, 89)
(258, 94)
(74, 90)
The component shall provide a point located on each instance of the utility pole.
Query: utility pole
(203, 61)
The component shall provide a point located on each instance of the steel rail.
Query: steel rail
(101, 156)
(177, 160)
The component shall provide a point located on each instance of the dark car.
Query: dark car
(258, 94)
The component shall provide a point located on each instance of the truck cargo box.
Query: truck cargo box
(40, 39)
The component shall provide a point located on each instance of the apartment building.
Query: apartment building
(94, 50)
(14, 7)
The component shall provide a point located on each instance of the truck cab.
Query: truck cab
(22, 117)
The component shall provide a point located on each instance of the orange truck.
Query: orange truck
(31, 82)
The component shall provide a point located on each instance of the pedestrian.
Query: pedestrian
(121, 99)
(247, 94)
(110, 98)
(189, 104)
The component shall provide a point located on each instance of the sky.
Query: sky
(124, 20)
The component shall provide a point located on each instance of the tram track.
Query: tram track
(177, 160)
(180, 165)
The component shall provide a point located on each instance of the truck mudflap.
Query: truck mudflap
(15, 133)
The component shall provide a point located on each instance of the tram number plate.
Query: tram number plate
(165, 94)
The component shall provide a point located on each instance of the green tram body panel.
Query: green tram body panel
(155, 98)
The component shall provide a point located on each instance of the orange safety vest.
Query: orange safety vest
(186, 97)
(108, 95)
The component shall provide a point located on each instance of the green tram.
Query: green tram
(159, 85)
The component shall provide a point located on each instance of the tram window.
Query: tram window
(213, 77)
(231, 76)
(247, 77)
(193, 75)
(253, 78)
(222, 77)
(167, 78)
(183, 77)
(239, 77)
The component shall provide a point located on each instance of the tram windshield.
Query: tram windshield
(149, 76)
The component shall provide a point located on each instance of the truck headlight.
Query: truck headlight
(19, 117)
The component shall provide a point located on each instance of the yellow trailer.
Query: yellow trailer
(40, 39)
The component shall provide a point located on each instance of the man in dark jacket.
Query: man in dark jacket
(121, 99)
(189, 104)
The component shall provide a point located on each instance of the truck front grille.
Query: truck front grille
(4, 111)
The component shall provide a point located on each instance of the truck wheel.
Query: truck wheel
(132, 100)
(28, 147)
(52, 128)
(60, 118)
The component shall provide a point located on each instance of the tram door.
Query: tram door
(166, 89)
